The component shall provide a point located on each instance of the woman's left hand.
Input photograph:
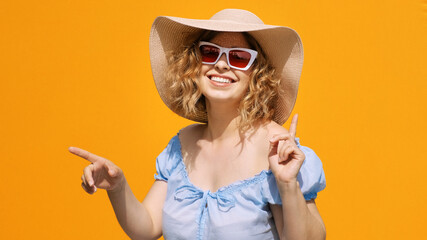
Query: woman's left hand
(285, 157)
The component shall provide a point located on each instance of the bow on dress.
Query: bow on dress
(225, 201)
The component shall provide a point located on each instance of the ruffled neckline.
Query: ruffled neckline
(234, 186)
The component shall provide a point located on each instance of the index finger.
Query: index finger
(293, 127)
(84, 154)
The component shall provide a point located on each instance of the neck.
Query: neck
(223, 121)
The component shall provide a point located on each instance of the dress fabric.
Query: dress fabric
(237, 211)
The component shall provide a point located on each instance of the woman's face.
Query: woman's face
(219, 82)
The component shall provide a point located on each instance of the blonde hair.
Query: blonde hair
(257, 105)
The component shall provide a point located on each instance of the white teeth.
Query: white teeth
(220, 79)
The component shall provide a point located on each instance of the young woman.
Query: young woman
(239, 174)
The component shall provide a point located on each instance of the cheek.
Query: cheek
(245, 77)
(203, 69)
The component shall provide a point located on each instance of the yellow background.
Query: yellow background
(77, 73)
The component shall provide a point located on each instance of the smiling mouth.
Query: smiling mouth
(220, 79)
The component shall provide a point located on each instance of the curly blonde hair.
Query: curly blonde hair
(257, 105)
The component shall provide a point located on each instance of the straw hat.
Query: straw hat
(282, 46)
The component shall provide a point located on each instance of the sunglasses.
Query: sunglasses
(237, 58)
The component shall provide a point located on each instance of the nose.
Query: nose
(222, 63)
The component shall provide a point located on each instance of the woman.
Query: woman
(240, 174)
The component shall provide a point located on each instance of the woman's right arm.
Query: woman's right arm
(138, 220)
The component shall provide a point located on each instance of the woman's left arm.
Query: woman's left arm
(296, 218)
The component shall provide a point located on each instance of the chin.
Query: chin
(223, 97)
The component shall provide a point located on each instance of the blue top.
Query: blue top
(237, 211)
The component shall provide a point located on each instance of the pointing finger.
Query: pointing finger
(84, 154)
(293, 127)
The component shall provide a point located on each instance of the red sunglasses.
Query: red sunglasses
(237, 58)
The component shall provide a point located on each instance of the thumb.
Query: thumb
(110, 168)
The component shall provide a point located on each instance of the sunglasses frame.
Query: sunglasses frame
(225, 50)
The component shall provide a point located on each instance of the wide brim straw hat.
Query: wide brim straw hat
(281, 45)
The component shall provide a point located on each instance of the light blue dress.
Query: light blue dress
(237, 211)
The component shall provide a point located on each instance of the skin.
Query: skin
(216, 155)
(219, 94)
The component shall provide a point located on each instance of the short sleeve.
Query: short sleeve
(168, 159)
(311, 178)
(270, 192)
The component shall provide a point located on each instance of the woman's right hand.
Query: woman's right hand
(101, 173)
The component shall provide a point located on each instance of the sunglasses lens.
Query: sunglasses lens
(209, 53)
(236, 58)
(239, 58)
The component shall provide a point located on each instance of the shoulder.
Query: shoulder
(259, 135)
(275, 128)
(191, 133)
(270, 129)
(258, 144)
(188, 138)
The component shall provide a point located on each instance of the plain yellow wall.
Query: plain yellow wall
(77, 73)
